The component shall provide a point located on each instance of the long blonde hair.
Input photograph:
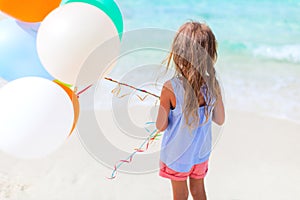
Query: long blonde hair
(194, 53)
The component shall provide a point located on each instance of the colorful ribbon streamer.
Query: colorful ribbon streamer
(152, 136)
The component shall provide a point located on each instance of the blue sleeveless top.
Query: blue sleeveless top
(182, 148)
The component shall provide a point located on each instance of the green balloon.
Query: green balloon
(110, 8)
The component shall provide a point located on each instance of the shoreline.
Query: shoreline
(106, 90)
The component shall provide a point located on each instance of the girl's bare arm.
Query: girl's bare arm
(219, 112)
(164, 108)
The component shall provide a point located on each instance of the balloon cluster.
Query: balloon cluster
(44, 45)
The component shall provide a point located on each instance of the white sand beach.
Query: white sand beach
(256, 158)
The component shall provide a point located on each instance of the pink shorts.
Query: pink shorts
(198, 171)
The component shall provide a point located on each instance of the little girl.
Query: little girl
(189, 102)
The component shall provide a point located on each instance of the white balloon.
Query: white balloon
(36, 117)
(68, 35)
(99, 62)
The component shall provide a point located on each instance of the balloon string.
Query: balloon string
(124, 84)
(152, 136)
(132, 87)
(85, 89)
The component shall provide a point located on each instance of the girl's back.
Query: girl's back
(181, 147)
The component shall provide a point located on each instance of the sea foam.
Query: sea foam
(289, 53)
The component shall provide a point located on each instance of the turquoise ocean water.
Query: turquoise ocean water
(259, 46)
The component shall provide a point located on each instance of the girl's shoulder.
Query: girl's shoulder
(168, 84)
(167, 87)
(172, 85)
(169, 93)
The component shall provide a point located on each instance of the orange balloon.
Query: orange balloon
(75, 101)
(28, 10)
